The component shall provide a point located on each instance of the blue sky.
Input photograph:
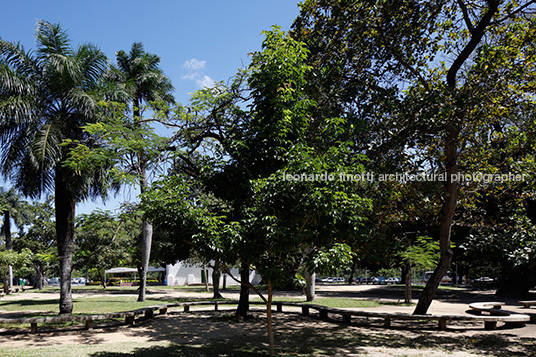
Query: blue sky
(198, 41)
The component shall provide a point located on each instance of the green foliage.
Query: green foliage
(431, 87)
(117, 142)
(15, 259)
(423, 254)
(104, 241)
(39, 238)
(46, 96)
(328, 262)
(241, 203)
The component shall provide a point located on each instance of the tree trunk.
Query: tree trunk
(269, 319)
(352, 271)
(102, 278)
(407, 278)
(451, 161)
(39, 276)
(9, 246)
(445, 228)
(243, 302)
(309, 285)
(65, 215)
(205, 274)
(146, 240)
(216, 274)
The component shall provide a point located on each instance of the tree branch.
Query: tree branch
(408, 66)
(249, 285)
(476, 37)
(510, 15)
(466, 15)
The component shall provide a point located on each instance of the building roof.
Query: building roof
(130, 270)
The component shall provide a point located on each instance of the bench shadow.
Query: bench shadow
(208, 333)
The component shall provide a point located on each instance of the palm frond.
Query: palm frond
(14, 56)
(46, 149)
(51, 40)
(94, 64)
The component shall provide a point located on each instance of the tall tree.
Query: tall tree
(278, 186)
(424, 77)
(138, 73)
(46, 96)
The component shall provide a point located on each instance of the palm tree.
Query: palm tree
(46, 96)
(16, 210)
(139, 75)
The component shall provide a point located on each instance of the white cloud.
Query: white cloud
(194, 68)
(205, 82)
(194, 64)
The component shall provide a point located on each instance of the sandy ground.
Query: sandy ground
(207, 328)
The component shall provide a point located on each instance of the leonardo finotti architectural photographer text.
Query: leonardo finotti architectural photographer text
(405, 177)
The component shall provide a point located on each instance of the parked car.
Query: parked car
(448, 279)
(338, 280)
(53, 281)
(365, 280)
(78, 281)
(484, 282)
(380, 280)
(393, 280)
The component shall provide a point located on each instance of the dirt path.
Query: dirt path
(215, 333)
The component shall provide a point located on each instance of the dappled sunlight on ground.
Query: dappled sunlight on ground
(203, 332)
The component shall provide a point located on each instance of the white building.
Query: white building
(182, 273)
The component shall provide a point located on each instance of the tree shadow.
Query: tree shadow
(204, 333)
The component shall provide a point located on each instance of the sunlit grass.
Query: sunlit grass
(85, 305)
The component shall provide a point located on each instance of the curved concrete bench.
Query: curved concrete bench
(490, 322)
(493, 308)
(129, 316)
(527, 304)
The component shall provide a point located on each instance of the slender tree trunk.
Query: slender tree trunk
(65, 215)
(146, 241)
(9, 246)
(445, 228)
(102, 278)
(243, 302)
(205, 274)
(407, 278)
(309, 285)
(352, 271)
(216, 274)
(39, 277)
(451, 160)
(309, 278)
(271, 338)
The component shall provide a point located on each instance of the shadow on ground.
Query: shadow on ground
(217, 333)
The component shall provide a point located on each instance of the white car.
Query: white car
(393, 280)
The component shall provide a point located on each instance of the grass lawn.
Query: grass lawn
(97, 289)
